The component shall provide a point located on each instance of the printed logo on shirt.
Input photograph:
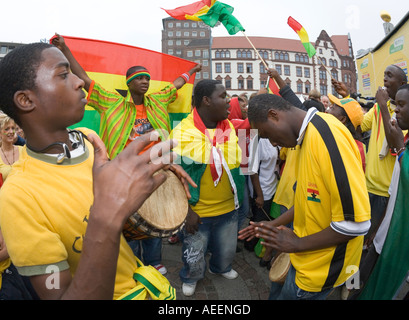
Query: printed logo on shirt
(314, 195)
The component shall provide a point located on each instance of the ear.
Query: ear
(273, 115)
(23, 100)
(206, 101)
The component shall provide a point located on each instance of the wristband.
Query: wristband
(186, 77)
(395, 152)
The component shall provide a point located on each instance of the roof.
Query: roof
(259, 42)
(280, 44)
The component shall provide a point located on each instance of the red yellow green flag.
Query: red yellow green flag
(210, 12)
(107, 63)
(302, 33)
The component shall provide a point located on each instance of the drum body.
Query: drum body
(162, 215)
(279, 268)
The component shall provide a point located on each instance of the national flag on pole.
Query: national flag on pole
(107, 63)
(302, 33)
(273, 87)
(210, 12)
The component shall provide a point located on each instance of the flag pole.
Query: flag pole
(329, 72)
(258, 54)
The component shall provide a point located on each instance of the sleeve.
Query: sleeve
(100, 99)
(31, 242)
(288, 94)
(166, 96)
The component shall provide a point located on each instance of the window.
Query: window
(299, 87)
(279, 69)
(170, 42)
(170, 51)
(189, 54)
(238, 54)
(307, 72)
(205, 75)
(217, 54)
(287, 71)
(297, 58)
(205, 63)
(186, 42)
(263, 83)
(262, 68)
(170, 33)
(194, 25)
(205, 54)
(227, 67)
(179, 52)
(323, 90)
(240, 67)
(249, 68)
(249, 55)
(299, 72)
(334, 75)
(323, 75)
(178, 33)
(198, 53)
(178, 24)
(227, 83)
(250, 84)
(218, 67)
(186, 25)
(307, 88)
(277, 56)
(202, 33)
(178, 42)
(240, 84)
(286, 57)
(194, 33)
(170, 25)
(186, 33)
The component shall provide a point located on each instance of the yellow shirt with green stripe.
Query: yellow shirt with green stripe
(118, 114)
(330, 188)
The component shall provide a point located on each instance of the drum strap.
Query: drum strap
(150, 284)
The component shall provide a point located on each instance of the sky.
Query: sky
(139, 23)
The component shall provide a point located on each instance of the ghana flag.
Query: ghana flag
(107, 63)
(302, 33)
(210, 12)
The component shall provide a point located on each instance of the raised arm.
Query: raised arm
(180, 81)
(76, 68)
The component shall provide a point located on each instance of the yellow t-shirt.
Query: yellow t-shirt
(214, 201)
(44, 210)
(326, 194)
(285, 190)
(378, 172)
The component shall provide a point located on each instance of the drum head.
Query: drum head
(280, 267)
(166, 209)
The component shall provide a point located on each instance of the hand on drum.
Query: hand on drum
(183, 177)
(279, 238)
(122, 185)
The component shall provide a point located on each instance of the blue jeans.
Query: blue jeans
(217, 235)
(290, 291)
(151, 254)
(245, 206)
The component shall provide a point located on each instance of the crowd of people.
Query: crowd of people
(307, 182)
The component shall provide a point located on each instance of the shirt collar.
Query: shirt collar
(310, 114)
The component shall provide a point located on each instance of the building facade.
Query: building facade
(189, 40)
(239, 67)
(6, 47)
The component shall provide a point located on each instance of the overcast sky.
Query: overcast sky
(139, 22)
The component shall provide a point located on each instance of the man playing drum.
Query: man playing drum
(118, 130)
(331, 212)
(64, 194)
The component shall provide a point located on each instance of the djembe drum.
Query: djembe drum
(162, 215)
(279, 268)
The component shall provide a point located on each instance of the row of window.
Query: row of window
(192, 34)
(190, 53)
(249, 69)
(185, 25)
(247, 84)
